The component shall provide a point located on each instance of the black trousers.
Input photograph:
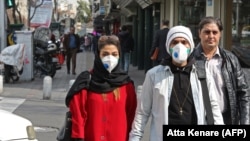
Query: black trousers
(71, 56)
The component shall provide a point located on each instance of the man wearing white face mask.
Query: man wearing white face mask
(172, 92)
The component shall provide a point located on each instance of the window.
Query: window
(241, 23)
(190, 12)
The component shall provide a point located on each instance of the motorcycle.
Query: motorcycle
(60, 53)
(45, 60)
(12, 60)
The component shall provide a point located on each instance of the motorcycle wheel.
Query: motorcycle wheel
(52, 71)
(14, 76)
(7, 73)
(10, 74)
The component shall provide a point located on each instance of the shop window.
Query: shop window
(241, 23)
(190, 12)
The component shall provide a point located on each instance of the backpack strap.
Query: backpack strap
(200, 65)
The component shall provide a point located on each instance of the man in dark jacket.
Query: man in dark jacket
(127, 46)
(160, 42)
(233, 90)
(71, 45)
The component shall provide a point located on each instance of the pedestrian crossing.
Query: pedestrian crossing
(10, 104)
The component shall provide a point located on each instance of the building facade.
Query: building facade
(144, 17)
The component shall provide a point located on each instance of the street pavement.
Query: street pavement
(34, 89)
(28, 99)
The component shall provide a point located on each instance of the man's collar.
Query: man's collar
(164, 26)
(200, 53)
(185, 69)
(217, 52)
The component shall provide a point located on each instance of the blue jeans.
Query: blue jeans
(125, 61)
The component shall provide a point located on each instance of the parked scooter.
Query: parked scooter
(60, 54)
(12, 60)
(45, 60)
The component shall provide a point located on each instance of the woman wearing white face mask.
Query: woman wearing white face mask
(172, 92)
(103, 107)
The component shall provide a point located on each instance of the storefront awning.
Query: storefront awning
(122, 6)
(127, 12)
(144, 3)
(122, 3)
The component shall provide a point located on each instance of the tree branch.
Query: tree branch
(18, 12)
(35, 9)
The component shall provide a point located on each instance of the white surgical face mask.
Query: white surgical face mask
(180, 53)
(110, 62)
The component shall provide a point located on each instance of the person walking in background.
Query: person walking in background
(231, 84)
(102, 101)
(159, 42)
(127, 46)
(172, 92)
(95, 39)
(87, 43)
(71, 45)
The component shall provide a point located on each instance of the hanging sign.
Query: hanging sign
(43, 13)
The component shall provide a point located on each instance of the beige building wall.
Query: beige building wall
(23, 9)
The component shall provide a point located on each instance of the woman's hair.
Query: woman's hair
(208, 20)
(116, 94)
(109, 40)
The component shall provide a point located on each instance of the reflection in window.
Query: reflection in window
(241, 23)
(190, 14)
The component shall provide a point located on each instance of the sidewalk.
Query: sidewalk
(60, 83)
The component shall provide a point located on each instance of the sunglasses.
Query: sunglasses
(106, 37)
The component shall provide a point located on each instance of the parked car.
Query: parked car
(245, 33)
(15, 128)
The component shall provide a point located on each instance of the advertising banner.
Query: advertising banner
(43, 13)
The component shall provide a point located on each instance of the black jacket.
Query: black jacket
(126, 41)
(238, 93)
(160, 41)
(66, 41)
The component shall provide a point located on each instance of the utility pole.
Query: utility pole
(2, 25)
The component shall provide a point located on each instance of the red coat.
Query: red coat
(95, 119)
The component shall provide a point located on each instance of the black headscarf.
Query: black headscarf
(99, 80)
(81, 82)
(102, 81)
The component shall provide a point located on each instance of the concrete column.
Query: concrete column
(135, 35)
(1, 83)
(2, 25)
(140, 39)
(71, 82)
(148, 37)
(213, 8)
(47, 87)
